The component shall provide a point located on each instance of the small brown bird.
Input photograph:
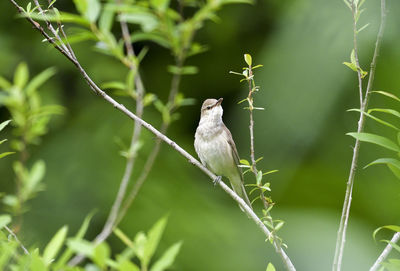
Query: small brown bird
(215, 147)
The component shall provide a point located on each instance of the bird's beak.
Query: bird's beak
(219, 101)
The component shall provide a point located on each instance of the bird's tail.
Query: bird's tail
(238, 187)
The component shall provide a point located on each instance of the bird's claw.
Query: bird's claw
(217, 180)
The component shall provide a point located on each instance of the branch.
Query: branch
(112, 221)
(341, 237)
(385, 252)
(16, 239)
(286, 260)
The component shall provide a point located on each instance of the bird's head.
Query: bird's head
(211, 110)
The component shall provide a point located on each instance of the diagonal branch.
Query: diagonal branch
(17, 240)
(385, 252)
(341, 237)
(250, 213)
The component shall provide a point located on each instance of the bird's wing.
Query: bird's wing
(235, 154)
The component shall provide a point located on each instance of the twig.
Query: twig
(286, 260)
(16, 239)
(385, 252)
(341, 237)
(112, 221)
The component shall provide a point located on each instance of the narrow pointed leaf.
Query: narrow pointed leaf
(387, 94)
(54, 245)
(376, 139)
(168, 258)
(377, 119)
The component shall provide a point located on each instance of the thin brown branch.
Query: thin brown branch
(286, 260)
(341, 238)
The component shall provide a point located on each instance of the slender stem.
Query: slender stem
(16, 239)
(250, 213)
(359, 75)
(341, 237)
(112, 221)
(385, 252)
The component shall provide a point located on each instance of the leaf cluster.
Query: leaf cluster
(62, 248)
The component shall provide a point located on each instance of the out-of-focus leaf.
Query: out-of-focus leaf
(4, 154)
(122, 236)
(183, 70)
(114, 85)
(376, 139)
(81, 247)
(81, 6)
(146, 20)
(4, 83)
(153, 238)
(35, 176)
(39, 79)
(54, 245)
(101, 254)
(37, 263)
(21, 75)
(392, 265)
(270, 267)
(160, 5)
(4, 124)
(168, 258)
(225, 2)
(93, 10)
(127, 265)
(154, 37)
(69, 252)
(62, 16)
(387, 94)
(106, 19)
(4, 220)
(140, 244)
(394, 245)
(7, 251)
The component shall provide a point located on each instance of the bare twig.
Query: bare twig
(341, 237)
(112, 221)
(17, 240)
(385, 252)
(286, 260)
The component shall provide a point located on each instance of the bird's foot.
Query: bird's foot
(217, 180)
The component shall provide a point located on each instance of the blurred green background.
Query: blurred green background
(306, 91)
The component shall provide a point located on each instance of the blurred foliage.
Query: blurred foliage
(60, 249)
(302, 132)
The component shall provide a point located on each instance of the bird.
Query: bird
(216, 149)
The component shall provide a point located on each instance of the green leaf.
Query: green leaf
(38, 80)
(4, 83)
(353, 58)
(392, 164)
(182, 70)
(35, 176)
(93, 10)
(153, 238)
(385, 110)
(140, 244)
(270, 267)
(146, 20)
(69, 252)
(351, 66)
(101, 254)
(154, 37)
(259, 177)
(376, 139)
(225, 2)
(123, 237)
(377, 119)
(4, 124)
(81, 247)
(387, 94)
(394, 245)
(81, 6)
(37, 263)
(247, 58)
(106, 19)
(244, 162)
(4, 220)
(4, 154)
(168, 258)
(54, 245)
(160, 5)
(394, 228)
(21, 75)
(127, 265)
(64, 17)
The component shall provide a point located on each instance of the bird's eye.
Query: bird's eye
(208, 107)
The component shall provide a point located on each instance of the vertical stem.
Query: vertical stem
(341, 237)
